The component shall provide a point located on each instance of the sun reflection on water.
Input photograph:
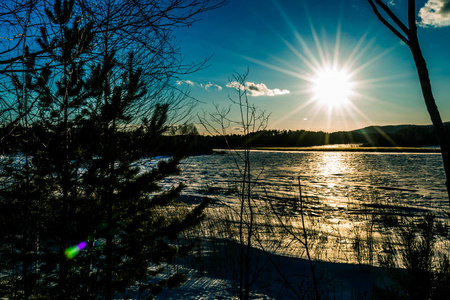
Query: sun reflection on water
(333, 164)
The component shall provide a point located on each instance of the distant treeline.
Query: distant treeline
(406, 136)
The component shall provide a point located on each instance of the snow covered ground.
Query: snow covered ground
(278, 277)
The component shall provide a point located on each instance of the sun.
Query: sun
(332, 86)
(332, 77)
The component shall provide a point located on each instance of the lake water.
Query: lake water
(349, 195)
(411, 179)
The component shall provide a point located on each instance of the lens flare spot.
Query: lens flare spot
(82, 245)
(71, 252)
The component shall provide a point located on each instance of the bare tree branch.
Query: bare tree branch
(392, 16)
(386, 23)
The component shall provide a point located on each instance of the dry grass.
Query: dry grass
(349, 231)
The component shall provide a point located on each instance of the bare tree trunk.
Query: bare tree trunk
(432, 108)
(409, 36)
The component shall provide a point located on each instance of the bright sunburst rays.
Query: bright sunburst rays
(330, 81)
(332, 86)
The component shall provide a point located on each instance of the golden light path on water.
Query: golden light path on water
(333, 163)
(347, 196)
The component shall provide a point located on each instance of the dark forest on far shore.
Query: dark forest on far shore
(373, 136)
(193, 143)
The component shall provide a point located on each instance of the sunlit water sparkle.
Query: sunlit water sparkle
(343, 191)
(414, 179)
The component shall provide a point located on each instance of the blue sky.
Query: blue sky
(285, 43)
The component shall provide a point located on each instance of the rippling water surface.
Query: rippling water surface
(352, 198)
(413, 179)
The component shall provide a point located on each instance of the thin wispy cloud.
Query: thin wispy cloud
(435, 13)
(211, 85)
(257, 89)
(207, 86)
(188, 82)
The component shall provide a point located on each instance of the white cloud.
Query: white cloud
(188, 82)
(257, 89)
(435, 13)
(207, 86)
(211, 85)
(391, 2)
